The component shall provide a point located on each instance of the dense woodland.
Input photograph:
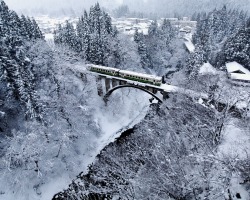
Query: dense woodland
(98, 42)
(48, 110)
(223, 36)
(18, 74)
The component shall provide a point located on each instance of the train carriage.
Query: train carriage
(145, 78)
(104, 70)
(134, 76)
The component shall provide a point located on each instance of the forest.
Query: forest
(53, 123)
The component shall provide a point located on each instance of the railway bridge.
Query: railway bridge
(106, 85)
(159, 93)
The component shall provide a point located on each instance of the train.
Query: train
(134, 76)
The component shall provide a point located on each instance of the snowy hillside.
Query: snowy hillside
(79, 128)
(60, 140)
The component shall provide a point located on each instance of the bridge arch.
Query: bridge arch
(129, 86)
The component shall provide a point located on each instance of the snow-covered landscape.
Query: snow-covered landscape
(164, 113)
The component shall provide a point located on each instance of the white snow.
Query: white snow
(112, 126)
(235, 142)
(126, 107)
(2, 114)
(235, 146)
(57, 184)
(236, 187)
(79, 68)
(49, 36)
(27, 59)
(207, 68)
(189, 44)
(169, 88)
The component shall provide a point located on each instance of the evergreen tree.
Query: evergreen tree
(18, 78)
(142, 49)
(153, 29)
(194, 62)
(237, 48)
(215, 29)
(92, 37)
(24, 27)
(37, 33)
(167, 31)
(136, 36)
(58, 35)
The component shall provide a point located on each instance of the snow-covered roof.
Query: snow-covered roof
(189, 44)
(234, 67)
(207, 68)
(240, 77)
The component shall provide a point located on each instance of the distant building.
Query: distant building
(183, 23)
(129, 25)
(170, 19)
(186, 19)
(237, 72)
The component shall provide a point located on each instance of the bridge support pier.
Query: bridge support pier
(114, 83)
(122, 82)
(150, 89)
(99, 86)
(155, 90)
(107, 84)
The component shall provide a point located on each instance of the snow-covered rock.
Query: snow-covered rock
(207, 68)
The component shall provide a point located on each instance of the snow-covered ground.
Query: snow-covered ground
(111, 128)
(126, 107)
(235, 143)
(235, 146)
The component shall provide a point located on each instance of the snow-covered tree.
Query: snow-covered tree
(92, 36)
(213, 30)
(237, 47)
(194, 62)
